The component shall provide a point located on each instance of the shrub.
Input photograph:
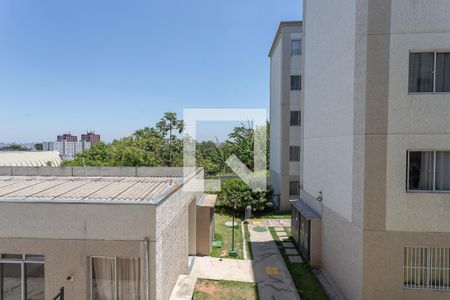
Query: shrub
(238, 193)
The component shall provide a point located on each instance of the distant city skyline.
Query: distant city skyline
(118, 66)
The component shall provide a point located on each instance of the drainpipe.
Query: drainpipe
(146, 268)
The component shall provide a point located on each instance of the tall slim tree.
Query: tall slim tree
(168, 124)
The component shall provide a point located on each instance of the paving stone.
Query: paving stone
(288, 245)
(279, 229)
(291, 251)
(285, 239)
(281, 234)
(295, 259)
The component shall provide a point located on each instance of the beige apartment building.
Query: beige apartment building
(376, 145)
(99, 233)
(285, 115)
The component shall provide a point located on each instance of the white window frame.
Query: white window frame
(22, 261)
(434, 191)
(414, 271)
(435, 52)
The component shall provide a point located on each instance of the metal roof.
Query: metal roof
(29, 158)
(118, 190)
(305, 209)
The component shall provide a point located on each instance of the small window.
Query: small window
(294, 153)
(293, 188)
(429, 72)
(296, 47)
(429, 171)
(296, 83)
(426, 268)
(296, 118)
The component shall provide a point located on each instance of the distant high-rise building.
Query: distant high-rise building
(90, 137)
(66, 137)
(67, 150)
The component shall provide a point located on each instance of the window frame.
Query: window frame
(435, 52)
(115, 258)
(301, 47)
(299, 82)
(22, 261)
(299, 123)
(297, 187)
(410, 267)
(290, 153)
(433, 191)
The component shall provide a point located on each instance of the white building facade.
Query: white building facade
(67, 150)
(376, 161)
(285, 113)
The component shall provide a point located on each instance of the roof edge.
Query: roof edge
(281, 26)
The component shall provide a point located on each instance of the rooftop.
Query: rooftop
(29, 158)
(115, 190)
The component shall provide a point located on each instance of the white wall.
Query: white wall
(329, 97)
(420, 121)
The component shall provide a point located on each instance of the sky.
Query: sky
(115, 66)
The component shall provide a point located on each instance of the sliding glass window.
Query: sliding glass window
(22, 277)
(428, 171)
(429, 72)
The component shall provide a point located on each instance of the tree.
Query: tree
(169, 123)
(237, 193)
(39, 146)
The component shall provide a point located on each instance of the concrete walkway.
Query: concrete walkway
(207, 267)
(271, 274)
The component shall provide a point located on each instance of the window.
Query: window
(115, 278)
(426, 268)
(428, 171)
(296, 83)
(294, 153)
(22, 277)
(296, 118)
(293, 188)
(429, 72)
(296, 47)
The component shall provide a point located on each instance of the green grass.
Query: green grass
(273, 215)
(225, 290)
(223, 233)
(308, 286)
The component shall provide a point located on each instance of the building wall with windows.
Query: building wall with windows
(285, 114)
(361, 131)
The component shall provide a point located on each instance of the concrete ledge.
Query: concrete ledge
(184, 288)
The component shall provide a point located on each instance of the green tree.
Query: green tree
(168, 124)
(39, 146)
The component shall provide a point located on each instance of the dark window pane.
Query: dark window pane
(421, 67)
(34, 257)
(294, 153)
(421, 165)
(293, 188)
(443, 72)
(443, 171)
(10, 281)
(296, 83)
(295, 118)
(35, 283)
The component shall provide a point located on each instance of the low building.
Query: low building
(99, 233)
(29, 159)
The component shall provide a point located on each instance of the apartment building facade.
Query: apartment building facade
(285, 114)
(67, 150)
(376, 160)
(90, 137)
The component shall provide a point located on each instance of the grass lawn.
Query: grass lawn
(223, 233)
(308, 287)
(226, 290)
(273, 215)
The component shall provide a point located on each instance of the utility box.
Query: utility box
(205, 224)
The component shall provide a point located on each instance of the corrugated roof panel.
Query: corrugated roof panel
(34, 189)
(19, 185)
(61, 189)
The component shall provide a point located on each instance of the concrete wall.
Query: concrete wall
(69, 257)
